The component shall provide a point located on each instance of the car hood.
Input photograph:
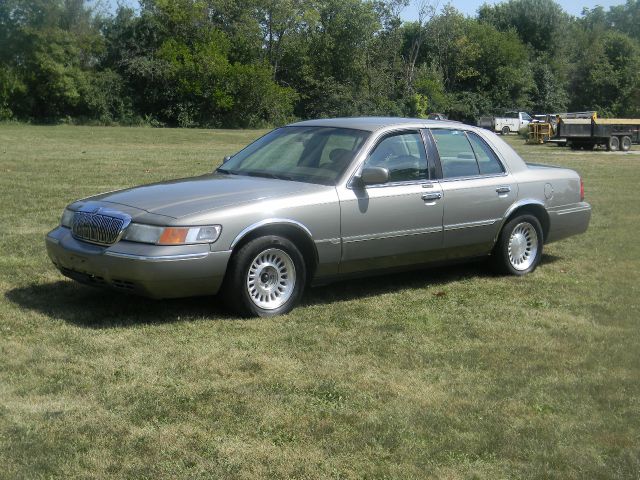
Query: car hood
(179, 198)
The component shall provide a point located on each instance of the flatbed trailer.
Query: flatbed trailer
(612, 133)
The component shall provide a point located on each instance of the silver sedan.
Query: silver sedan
(322, 200)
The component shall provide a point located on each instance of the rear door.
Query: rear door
(477, 191)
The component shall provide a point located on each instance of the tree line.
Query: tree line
(253, 63)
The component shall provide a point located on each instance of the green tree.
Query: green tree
(11, 89)
(481, 68)
(179, 66)
(607, 76)
(239, 63)
(540, 23)
(49, 56)
(626, 18)
(430, 95)
(332, 67)
(550, 88)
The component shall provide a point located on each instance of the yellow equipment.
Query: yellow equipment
(545, 126)
(540, 132)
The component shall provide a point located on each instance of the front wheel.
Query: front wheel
(266, 277)
(519, 247)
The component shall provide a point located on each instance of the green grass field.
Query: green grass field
(446, 373)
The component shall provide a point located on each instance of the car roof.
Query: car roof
(372, 123)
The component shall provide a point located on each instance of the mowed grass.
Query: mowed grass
(445, 373)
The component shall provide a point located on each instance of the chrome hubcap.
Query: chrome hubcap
(523, 246)
(271, 279)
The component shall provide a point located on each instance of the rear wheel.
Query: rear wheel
(519, 247)
(266, 277)
(505, 130)
(614, 144)
(625, 144)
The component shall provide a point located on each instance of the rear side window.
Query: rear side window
(487, 160)
(464, 154)
(456, 155)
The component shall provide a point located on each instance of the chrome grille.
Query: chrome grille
(96, 228)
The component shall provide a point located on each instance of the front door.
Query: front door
(398, 222)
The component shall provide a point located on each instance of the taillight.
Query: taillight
(581, 190)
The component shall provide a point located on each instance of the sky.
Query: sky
(468, 7)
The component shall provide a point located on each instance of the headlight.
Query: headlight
(67, 218)
(137, 232)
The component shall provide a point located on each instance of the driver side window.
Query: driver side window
(403, 154)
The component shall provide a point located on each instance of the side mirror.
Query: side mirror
(373, 176)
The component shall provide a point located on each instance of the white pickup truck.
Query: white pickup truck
(510, 122)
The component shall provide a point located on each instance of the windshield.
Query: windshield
(302, 154)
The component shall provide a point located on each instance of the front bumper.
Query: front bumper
(149, 270)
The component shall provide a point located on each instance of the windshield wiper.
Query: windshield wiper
(277, 176)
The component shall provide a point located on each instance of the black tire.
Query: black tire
(505, 130)
(235, 290)
(613, 145)
(625, 143)
(501, 259)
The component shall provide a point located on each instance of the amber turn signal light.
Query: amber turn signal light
(173, 236)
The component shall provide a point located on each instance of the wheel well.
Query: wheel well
(296, 235)
(537, 211)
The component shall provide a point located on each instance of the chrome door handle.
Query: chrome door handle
(432, 196)
(505, 189)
